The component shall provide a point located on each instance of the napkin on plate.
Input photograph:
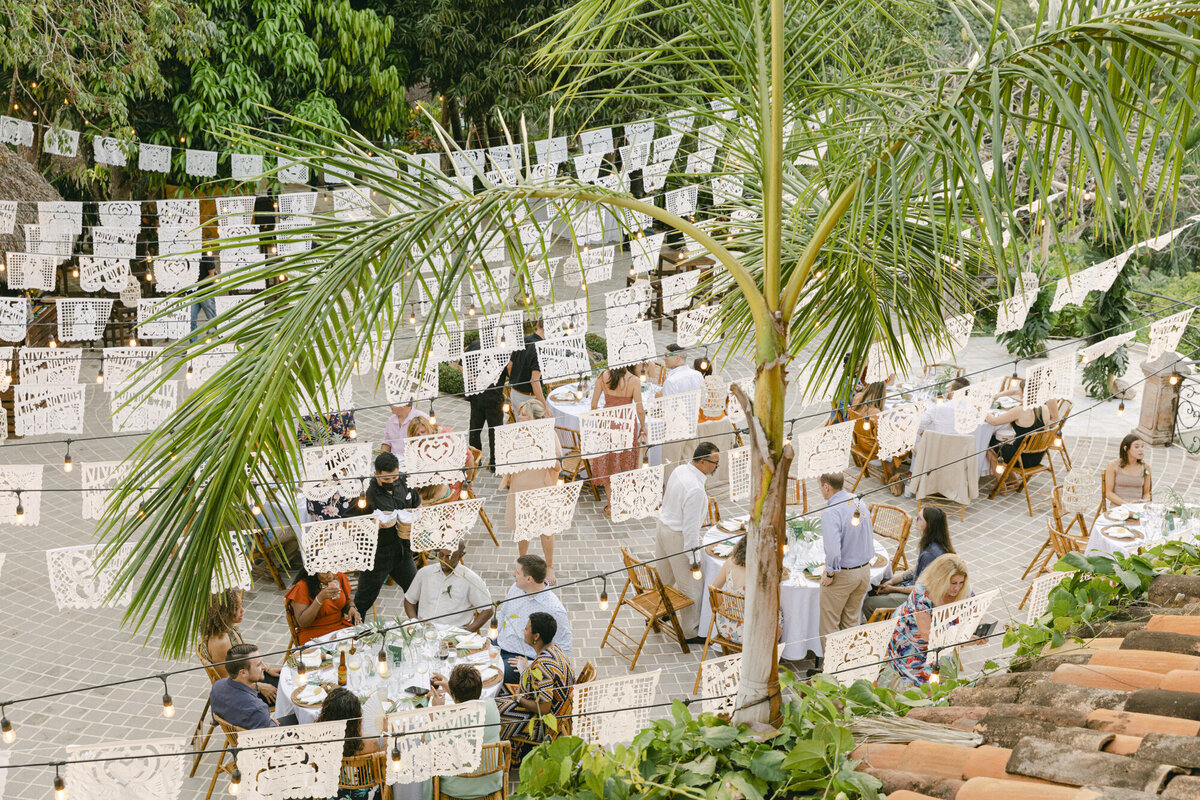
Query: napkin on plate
(312, 695)
(471, 641)
(478, 659)
(487, 673)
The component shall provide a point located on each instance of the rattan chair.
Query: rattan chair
(1032, 443)
(733, 608)
(714, 513)
(797, 493)
(881, 614)
(365, 771)
(864, 449)
(231, 732)
(1059, 445)
(1062, 542)
(497, 758)
(293, 625)
(573, 463)
(197, 744)
(892, 522)
(659, 605)
(656, 372)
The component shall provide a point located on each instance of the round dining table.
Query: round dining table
(1131, 527)
(569, 402)
(799, 595)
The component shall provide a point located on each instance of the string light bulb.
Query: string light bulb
(352, 433)
(856, 520)
(20, 508)
(506, 407)
(604, 593)
(256, 509)
(100, 372)
(412, 317)
(301, 670)
(432, 414)
(1121, 409)
(1174, 380)
(696, 572)
(1057, 440)
(866, 424)
(168, 704)
(53, 343)
(362, 501)
(1014, 375)
(935, 674)
(60, 786)
(471, 310)
(999, 469)
(7, 734)
(493, 626)
(67, 465)
(395, 755)
(235, 780)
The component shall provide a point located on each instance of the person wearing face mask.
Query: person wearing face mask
(934, 541)
(944, 582)
(391, 502)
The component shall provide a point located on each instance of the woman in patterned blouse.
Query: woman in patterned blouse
(944, 581)
(545, 686)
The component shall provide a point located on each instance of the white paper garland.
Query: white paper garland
(339, 545)
(636, 494)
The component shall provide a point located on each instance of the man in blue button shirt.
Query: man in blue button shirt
(849, 548)
(235, 699)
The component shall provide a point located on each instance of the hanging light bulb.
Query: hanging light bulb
(133, 341)
(168, 704)
(256, 509)
(471, 310)
(604, 594)
(52, 342)
(785, 545)
(7, 734)
(493, 626)
(704, 362)
(1174, 380)
(432, 414)
(352, 433)
(189, 370)
(412, 317)
(1057, 440)
(696, 573)
(999, 469)
(362, 501)
(941, 398)
(866, 424)
(100, 373)
(235, 780)
(935, 674)
(505, 407)
(301, 670)
(382, 665)
(856, 520)
(1014, 375)
(20, 508)
(67, 465)
(561, 480)
(1121, 409)
(60, 786)
(395, 755)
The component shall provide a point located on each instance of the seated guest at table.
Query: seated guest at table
(681, 378)
(545, 682)
(321, 604)
(703, 366)
(236, 699)
(939, 417)
(868, 402)
(1127, 477)
(934, 531)
(1024, 421)
(684, 506)
(421, 426)
(849, 548)
(525, 372)
(526, 479)
(219, 631)
(388, 497)
(732, 579)
(395, 433)
(943, 582)
(463, 686)
(341, 703)
(618, 386)
(446, 591)
(528, 595)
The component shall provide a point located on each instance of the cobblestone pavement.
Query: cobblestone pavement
(47, 650)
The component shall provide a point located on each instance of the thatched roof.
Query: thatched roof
(20, 180)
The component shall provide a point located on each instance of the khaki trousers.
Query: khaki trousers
(842, 600)
(677, 571)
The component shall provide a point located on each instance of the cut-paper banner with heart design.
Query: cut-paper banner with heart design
(565, 318)
(82, 319)
(563, 357)
(438, 740)
(857, 653)
(628, 305)
(822, 450)
(154, 158)
(435, 459)
(82, 577)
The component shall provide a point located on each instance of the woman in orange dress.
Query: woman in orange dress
(618, 386)
(321, 603)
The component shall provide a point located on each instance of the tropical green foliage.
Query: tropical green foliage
(1108, 316)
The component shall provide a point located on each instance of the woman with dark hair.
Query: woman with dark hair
(321, 604)
(934, 530)
(1127, 477)
(618, 386)
(465, 685)
(341, 704)
(868, 402)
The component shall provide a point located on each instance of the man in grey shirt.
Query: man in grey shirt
(849, 548)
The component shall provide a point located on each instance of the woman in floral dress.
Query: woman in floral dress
(943, 582)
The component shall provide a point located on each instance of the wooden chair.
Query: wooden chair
(730, 606)
(1059, 444)
(213, 676)
(656, 603)
(573, 463)
(881, 614)
(714, 513)
(293, 625)
(469, 490)
(797, 493)
(864, 448)
(1062, 542)
(1032, 443)
(260, 549)
(892, 522)
(231, 732)
(365, 771)
(497, 758)
(511, 415)
(656, 372)
(522, 743)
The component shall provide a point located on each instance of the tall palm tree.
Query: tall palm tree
(879, 188)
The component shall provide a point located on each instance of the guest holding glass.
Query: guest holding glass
(540, 478)
(934, 530)
(321, 604)
(1127, 477)
(341, 703)
(463, 686)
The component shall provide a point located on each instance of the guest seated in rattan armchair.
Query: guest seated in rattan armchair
(1127, 477)
(463, 686)
(219, 632)
(545, 686)
(321, 604)
(934, 530)
(341, 704)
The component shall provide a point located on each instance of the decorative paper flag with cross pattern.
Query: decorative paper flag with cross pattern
(636, 494)
(1166, 333)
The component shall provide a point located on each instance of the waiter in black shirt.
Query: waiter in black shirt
(525, 373)
(388, 498)
(486, 407)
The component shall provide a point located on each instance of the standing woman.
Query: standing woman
(934, 530)
(531, 479)
(1127, 477)
(618, 386)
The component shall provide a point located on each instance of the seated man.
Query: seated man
(463, 686)
(446, 592)
(526, 596)
(939, 417)
(235, 699)
(545, 685)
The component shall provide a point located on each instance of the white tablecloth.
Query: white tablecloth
(567, 412)
(799, 598)
(1100, 543)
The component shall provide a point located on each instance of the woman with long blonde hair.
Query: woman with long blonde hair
(943, 582)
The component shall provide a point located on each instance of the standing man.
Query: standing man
(849, 548)
(525, 373)
(390, 502)
(684, 505)
(680, 379)
(486, 407)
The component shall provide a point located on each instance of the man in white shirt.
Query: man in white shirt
(939, 417)
(680, 379)
(529, 593)
(446, 593)
(684, 506)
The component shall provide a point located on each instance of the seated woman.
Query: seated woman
(934, 531)
(1024, 421)
(321, 603)
(545, 686)
(943, 582)
(421, 426)
(1127, 477)
(341, 704)
(219, 632)
(732, 579)
(465, 685)
(868, 402)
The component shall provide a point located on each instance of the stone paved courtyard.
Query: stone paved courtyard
(46, 650)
